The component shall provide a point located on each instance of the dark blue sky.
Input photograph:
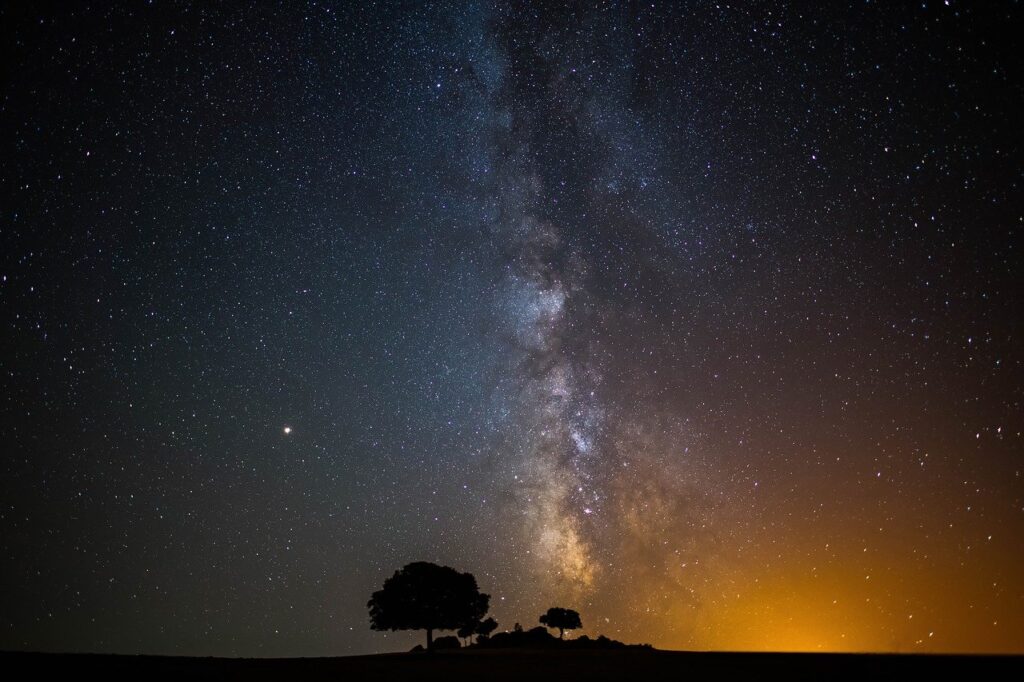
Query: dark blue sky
(698, 319)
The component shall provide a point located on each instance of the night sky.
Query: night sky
(700, 319)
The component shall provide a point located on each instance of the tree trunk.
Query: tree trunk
(561, 633)
(430, 639)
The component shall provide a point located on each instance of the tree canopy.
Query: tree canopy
(486, 627)
(563, 619)
(425, 596)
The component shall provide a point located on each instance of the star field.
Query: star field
(700, 319)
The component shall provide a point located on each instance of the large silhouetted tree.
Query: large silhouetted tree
(425, 596)
(563, 619)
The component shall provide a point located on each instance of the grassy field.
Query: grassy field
(522, 665)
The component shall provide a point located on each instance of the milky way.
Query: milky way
(582, 458)
(698, 318)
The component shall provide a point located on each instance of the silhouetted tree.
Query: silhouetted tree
(485, 627)
(563, 619)
(517, 628)
(480, 627)
(425, 596)
(467, 631)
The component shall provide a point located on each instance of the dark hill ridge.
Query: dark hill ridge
(521, 665)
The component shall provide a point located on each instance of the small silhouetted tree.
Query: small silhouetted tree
(485, 627)
(517, 628)
(425, 596)
(467, 631)
(563, 619)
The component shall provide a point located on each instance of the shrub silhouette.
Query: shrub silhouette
(563, 619)
(447, 642)
(425, 596)
(485, 627)
(467, 631)
(481, 628)
(538, 637)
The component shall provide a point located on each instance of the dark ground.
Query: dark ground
(522, 665)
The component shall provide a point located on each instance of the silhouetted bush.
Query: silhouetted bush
(485, 627)
(540, 638)
(537, 637)
(480, 628)
(447, 642)
(467, 631)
